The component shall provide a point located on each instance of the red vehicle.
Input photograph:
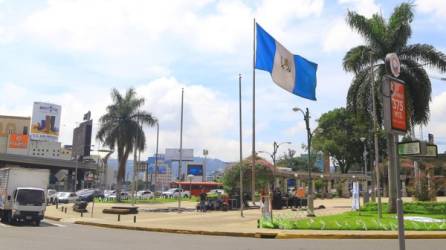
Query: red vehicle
(195, 188)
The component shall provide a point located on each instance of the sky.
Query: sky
(73, 53)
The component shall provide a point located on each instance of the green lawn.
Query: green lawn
(367, 219)
(146, 201)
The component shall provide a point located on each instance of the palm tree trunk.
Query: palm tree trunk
(121, 178)
(391, 174)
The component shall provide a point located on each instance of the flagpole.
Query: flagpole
(253, 172)
(241, 138)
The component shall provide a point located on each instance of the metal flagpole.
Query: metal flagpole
(253, 172)
(241, 153)
(181, 151)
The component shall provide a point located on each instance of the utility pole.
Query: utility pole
(241, 138)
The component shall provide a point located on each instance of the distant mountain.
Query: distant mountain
(211, 166)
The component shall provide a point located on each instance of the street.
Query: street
(52, 235)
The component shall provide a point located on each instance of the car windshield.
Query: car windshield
(30, 197)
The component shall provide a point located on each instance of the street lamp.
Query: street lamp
(156, 157)
(273, 157)
(310, 206)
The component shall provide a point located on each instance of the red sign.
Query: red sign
(398, 99)
(18, 141)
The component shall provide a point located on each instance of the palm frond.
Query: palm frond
(426, 54)
(399, 26)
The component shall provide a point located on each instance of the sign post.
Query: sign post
(395, 123)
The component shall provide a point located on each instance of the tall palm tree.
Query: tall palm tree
(122, 127)
(383, 37)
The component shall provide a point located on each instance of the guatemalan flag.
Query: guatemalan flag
(291, 72)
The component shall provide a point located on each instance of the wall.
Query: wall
(14, 125)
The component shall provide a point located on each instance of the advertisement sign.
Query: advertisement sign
(409, 148)
(195, 169)
(45, 123)
(173, 154)
(398, 101)
(18, 141)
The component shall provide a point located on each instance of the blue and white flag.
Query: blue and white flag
(291, 72)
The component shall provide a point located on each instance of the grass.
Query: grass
(145, 201)
(367, 219)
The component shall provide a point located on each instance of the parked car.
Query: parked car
(145, 194)
(174, 192)
(51, 196)
(89, 194)
(107, 193)
(124, 195)
(66, 197)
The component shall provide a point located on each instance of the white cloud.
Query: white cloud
(437, 125)
(341, 37)
(435, 7)
(363, 7)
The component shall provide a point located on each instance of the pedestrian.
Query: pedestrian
(203, 198)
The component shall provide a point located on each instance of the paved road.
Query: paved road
(68, 236)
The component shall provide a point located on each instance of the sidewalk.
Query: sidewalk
(220, 223)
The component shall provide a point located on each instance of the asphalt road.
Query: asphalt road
(69, 236)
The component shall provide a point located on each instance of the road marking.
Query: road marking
(54, 224)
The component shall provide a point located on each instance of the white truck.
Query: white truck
(23, 194)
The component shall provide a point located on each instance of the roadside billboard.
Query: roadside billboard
(45, 123)
(173, 154)
(195, 169)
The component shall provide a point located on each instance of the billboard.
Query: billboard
(45, 123)
(398, 111)
(82, 139)
(18, 141)
(195, 169)
(173, 154)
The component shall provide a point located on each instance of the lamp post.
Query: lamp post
(310, 206)
(364, 154)
(156, 156)
(273, 157)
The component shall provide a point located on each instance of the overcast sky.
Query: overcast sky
(72, 53)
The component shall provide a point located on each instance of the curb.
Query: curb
(180, 231)
(266, 235)
(52, 218)
(359, 236)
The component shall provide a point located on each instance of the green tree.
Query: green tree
(338, 134)
(297, 163)
(383, 37)
(264, 175)
(122, 125)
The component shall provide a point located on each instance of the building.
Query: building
(163, 178)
